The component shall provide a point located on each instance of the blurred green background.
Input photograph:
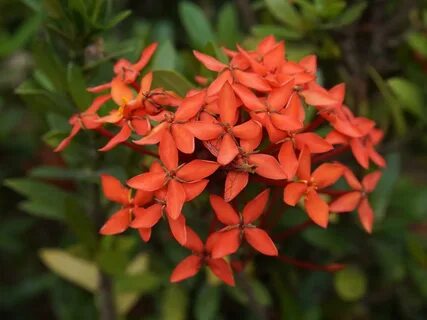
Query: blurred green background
(53, 265)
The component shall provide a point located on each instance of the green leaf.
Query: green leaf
(81, 224)
(350, 284)
(394, 106)
(228, 25)
(408, 94)
(76, 270)
(141, 283)
(285, 12)
(59, 173)
(21, 36)
(45, 200)
(418, 42)
(53, 8)
(117, 19)
(195, 24)
(174, 303)
(349, 15)
(165, 57)
(170, 80)
(263, 30)
(381, 196)
(207, 303)
(77, 87)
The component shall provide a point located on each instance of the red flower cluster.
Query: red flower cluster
(249, 122)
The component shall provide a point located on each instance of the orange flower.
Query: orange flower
(201, 254)
(239, 226)
(177, 178)
(309, 185)
(358, 198)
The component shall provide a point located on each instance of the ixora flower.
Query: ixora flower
(245, 129)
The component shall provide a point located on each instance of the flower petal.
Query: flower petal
(254, 208)
(314, 142)
(288, 159)
(279, 97)
(360, 152)
(178, 229)
(120, 137)
(247, 130)
(228, 150)
(209, 62)
(64, 143)
(346, 203)
(235, 182)
(366, 215)
(184, 140)
(249, 99)
(252, 80)
(114, 190)
(285, 122)
(145, 56)
(117, 223)
(148, 181)
(317, 209)
(167, 151)
(260, 241)
(204, 130)
(327, 174)
(193, 189)
(197, 169)
(304, 164)
(370, 181)
(142, 197)
(190, 106)
(227, 104)
(222, 270)
(267, 166)
(175, 199)
(223, 210)
(147, 218)
(120, 92)
(227, 242)
(293, 192)
(193, 241)
(145, 234)
(187, 268)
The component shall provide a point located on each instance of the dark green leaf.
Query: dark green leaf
(207, 303)
(77, 87)
(165, 57)
(285, 12)
(196, 24)
(170, 80)
(228, 25)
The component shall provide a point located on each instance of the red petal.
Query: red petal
(218, 83)
(141, 125)
(149, 181)
(142, 197)
(64, 143)
(193, 241)
(193, 189)
(252, 80)
(249, 99)
(366, 215)
(227, 242)
(267, 166)
(235, 182)
(146, 83)
(99, 88)
(114, 190)
(360, 152)
(145, 234)
(222, 270)
(260, 241)
(209, 62)
(247, 130)
(97, 103)
(304, 164)
(167, 151)
(187, 268)
(278, 98)
(338, 92)
(204, 130)
(254, 208)
(197, 170)
(293, 192)
(346, 203)
(120, 92)
(175, 199)
(309, 63)
(352, 180)
(224, 211)
(227, 104)
(228, 150)
(120, 137)
(317, 209)
(147, 218)
(117, 223)
(154, 136)
(318, 98)
(285, 122)
(190, 106)
(288, 159)
(327, 174)
(178, 229)
(376, 157)
(314, 142)
(145, 56)
(184, 140)
(370, 181)
(274, 57)
(274, 134)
